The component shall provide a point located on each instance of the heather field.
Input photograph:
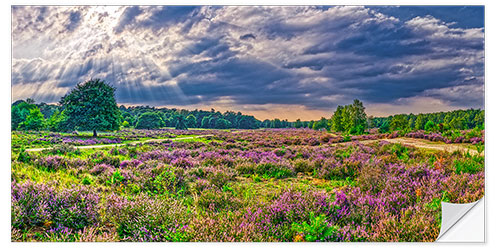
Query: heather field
(238, 185)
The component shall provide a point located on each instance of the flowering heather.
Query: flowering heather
(41, 205)
(244, 185)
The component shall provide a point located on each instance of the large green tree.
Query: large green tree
(91, 106)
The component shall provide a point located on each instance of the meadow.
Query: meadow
(237, 185)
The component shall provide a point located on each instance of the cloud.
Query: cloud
(267, 56)
(73, 21)
(247, 36)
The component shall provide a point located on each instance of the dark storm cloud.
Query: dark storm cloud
(461, 16)
(318, 57)
(74, 20)
(247, 37)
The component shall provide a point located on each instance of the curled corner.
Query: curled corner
(462, 222)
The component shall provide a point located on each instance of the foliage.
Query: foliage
(53, 123)
(350, 118)
(470, 164)
(318, 229)
(149, 120)
(432, 122)
(91, 106)
(34, 121)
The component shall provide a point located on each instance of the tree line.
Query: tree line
(91, 106)
(438, 121)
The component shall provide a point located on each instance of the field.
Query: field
(238, 185)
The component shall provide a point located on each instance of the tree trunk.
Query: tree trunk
(95, 133)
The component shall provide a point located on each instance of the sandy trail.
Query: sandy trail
(122, 144)
(421, 143)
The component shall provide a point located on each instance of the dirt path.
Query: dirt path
(421, 143)
(122, 144)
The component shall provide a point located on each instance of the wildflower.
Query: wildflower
(298, 238)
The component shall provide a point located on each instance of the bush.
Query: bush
(100, 158)
(303, 165)
(52, 163)
(371, 178)
(63, 149)
(116, 178)
(219, 176)
(471, 165)
(276, 170)
(41, 205)
(215, 200)
(245, 167)
(23, 156)
(318, 229)
(169, 181)
(144, 218)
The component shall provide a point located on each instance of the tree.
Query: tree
(191, 121)
(337, 125)
(321, 124)
(222, 123)
(247, 122)
(297, 124)
(479, 120)
(358, 116)
(19, 111)
(180, 124)
(350, 118)
(55, 120)
(91, 106)
(457, 123)
(420, 122)
(34, 121)
(430, 126)
(384, 127)
(399, 122)
(205, 122)
(129, 118)
(149, 120)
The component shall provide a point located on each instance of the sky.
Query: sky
(268, 61)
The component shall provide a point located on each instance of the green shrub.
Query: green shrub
(245, 167)
(144, 218)
(317, 229)
(302, 165)
(470, 164)
(275, 170)
(64, 149)
(169, 181)
(86, 180)
(216, 201)
(23, 156)
(400, 151)
(116, 178)
(100, 158)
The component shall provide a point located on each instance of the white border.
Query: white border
(492, 14)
